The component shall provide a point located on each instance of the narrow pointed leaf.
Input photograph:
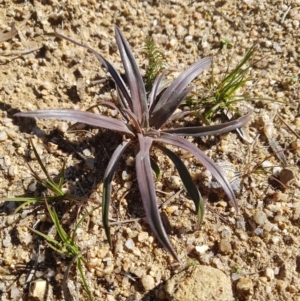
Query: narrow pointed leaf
(122, 89)
(135, 80)
(155, 168)
(215, 170)
(106, 194)
(110, 68)
(216, 129)
(161, 116)
(182, 81)
(186, 180)
(79, 116)
(156, 90)
(147, 189)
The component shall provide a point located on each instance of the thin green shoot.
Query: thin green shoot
(66, 244)
(224, 92)
(226, 43)
(155, 63)
(223, 95)
(54, 189)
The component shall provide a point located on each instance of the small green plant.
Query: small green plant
(223, 95)
(66, 246)
(142, 120)
(226, 43)
(192, 262)
(155, 63)
(54, 190)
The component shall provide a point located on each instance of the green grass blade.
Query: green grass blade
(155, 168)
(82, 276)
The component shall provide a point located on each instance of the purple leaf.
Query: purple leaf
(216, 129)
(135, 80)
(156, 90)
(215, 170)
(106, 194)
(161, 116)
(110, 68)
(182, 81)
(147, 190)
(79, 116)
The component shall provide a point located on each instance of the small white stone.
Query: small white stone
(125, 175)
(14, 292)
(6, 242)
(3, 136)
(128, 184)
(129, 244)
(148, 282)
(260, 217)
(86, 152)
(11, 133)
(277, 47)
(38, 289)
(258, 231)
(188, 39)
(235, 276)
(27, 239)
(269, 273)
(201, 249)
(62, 126)
(174, 182)
(143, 236)
(13, 170)
(268, 226)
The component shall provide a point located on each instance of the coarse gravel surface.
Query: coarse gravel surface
(258, 248)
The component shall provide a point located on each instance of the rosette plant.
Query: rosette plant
(143, 117)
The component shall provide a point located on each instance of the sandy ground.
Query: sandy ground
(257, 247)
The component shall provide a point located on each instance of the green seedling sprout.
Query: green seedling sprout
(224, 93)
(54, 190)
(155, 63)
(67, 247)
(226, 43)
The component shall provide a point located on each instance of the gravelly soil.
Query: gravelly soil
(259, 244)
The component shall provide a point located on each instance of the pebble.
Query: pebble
(148, 282)
(13, 171)
(14, 292)
(89, 163)
(142, 236)
(225, 246)
(190, 285)
(129, 244)
(6, 242)
(86, 152)
(286, 175)
(269, 273)
(258, 231)
(38, 289)
(245, 286)
(280, 197)
(174, 182)
(11, 133)
(201, 249)
(3, 136)
(260, 217)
